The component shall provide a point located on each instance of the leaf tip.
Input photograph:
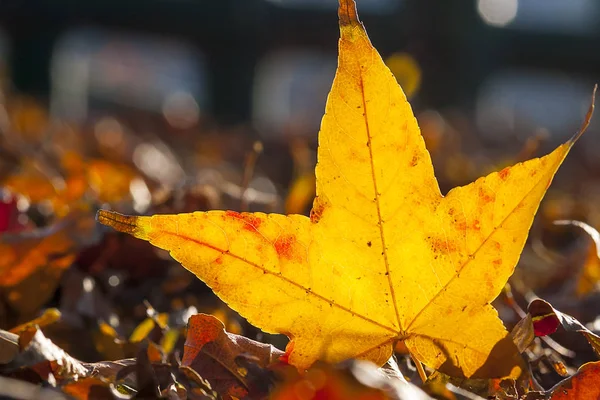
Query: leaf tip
(588, 117)
(122, 223)
(347, 13)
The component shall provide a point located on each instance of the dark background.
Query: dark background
(458, 52)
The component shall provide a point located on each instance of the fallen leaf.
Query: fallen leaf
(31, 264)
(384, 257)
(44, 357)
(543, 319)
(583, 385)
(214, 355)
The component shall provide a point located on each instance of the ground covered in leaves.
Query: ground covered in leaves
(87, 312)
(90, 313)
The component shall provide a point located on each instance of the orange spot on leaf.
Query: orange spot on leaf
(317, 211)
(486, 197)
(497, 262)
(288, 351)
(504, 174)
(286, 247)
(252, 222)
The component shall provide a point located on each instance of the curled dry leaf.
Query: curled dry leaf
(44, 357)
(384, 256)
(542, 319)
(215, 355)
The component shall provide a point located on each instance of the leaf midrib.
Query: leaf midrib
(377, 205)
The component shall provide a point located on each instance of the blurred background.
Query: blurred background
(511, 67)
(169, 106)
(230, 93)
(503, 71)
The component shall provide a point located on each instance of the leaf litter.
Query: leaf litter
(101, 290)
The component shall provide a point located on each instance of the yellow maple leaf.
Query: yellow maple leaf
(384, 257)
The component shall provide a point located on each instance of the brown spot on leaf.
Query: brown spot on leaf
(414, 161)
(497, 262)
(233, 214)
(476, 225)
(316, 213)
(504, 174)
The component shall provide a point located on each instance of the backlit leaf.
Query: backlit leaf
(384, 256)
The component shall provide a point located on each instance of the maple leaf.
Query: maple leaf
(384, 257)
